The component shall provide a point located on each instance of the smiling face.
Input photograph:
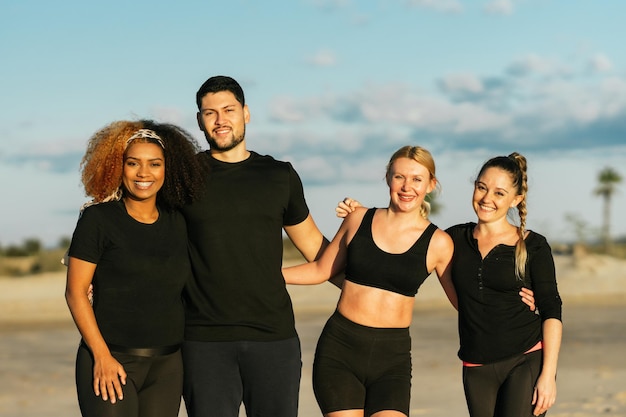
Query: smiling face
(494, 194)
(223, 120)
(144, 171)
(409, 182)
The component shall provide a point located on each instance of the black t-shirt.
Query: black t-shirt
(235, 239)
(140, 274)
(494, 324)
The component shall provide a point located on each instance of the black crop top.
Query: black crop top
(402, 273)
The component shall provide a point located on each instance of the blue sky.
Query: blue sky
(334, 86)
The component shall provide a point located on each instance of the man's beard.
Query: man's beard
(236, 140)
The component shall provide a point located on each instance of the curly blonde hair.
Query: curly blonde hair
(102, 165)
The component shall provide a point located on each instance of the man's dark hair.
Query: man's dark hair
(217, 84)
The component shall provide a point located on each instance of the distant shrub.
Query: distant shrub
(21, 265)
(15, 266)
(15, 251)
(29, 247)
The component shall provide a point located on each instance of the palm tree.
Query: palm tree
(608, 179)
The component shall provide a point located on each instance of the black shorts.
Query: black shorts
(360, 367)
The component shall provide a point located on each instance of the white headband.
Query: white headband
(145, 133)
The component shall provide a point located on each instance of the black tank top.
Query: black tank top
(402, 273)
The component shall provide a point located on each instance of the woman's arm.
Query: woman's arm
(108, 373)
(442, 250)
(544, 396)
(543, 274)
(331, 262)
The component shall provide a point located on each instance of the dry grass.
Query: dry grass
(49, 260)
(45, 261)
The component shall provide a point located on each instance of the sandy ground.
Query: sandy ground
(38, 342)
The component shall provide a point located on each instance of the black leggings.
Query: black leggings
(153, 386)
(264, 375)
(503, 389)
(360, 367)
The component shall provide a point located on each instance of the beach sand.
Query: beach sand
(38, 343)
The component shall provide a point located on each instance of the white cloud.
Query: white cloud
(330, 5)
(462, 83)
(535, 64)
(172, 115)
(369, 168)
(286, 109)
(323, 58)
(613, 93)
(446, 6)
(568, 105)
(600, 63)
(317, 168)
(548, 111)
(471, 118)
(499, 7)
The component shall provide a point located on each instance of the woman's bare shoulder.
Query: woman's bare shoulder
(441, 241)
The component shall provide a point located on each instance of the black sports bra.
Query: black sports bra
(369, 265)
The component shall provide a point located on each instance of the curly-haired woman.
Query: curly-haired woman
(130, 243)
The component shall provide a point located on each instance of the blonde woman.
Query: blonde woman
(363, 357)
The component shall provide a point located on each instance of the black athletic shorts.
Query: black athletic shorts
(360, 367)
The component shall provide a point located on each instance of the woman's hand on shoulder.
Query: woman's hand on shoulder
(349, 225)
(346, 206)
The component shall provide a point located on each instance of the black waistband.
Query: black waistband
(154, 351)
(359, 329)
(145, 352)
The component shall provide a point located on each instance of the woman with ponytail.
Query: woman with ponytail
(509, 353)
(363, 358)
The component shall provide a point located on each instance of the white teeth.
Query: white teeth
(143, 184)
